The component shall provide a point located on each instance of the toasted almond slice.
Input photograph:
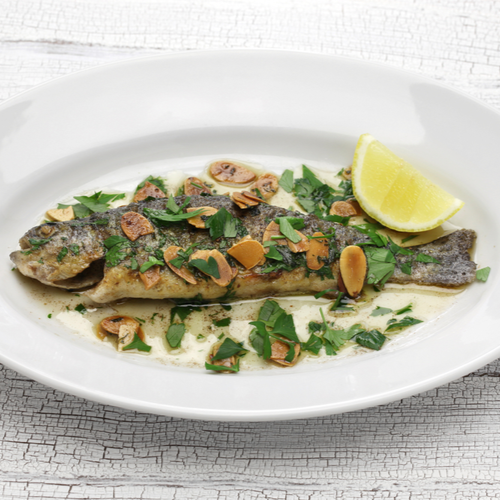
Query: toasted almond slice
(346, 174)
(342, 208)
(125, 336)
(242, 201)
(318, 250)
(149, 189)
(273, 229)
(301, 246)
(225, 270)
(151, 277)
(197, 221)
(170, 254)
(112, 324)
(356, 206)
(61, 214)
(135, 225)
(253, 197)
(228, 362)
(247, 252)
(231, 173)
(267, 184)
(194, 186)
(353, 269)
(279, 350)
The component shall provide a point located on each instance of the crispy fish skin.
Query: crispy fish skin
(121, 281)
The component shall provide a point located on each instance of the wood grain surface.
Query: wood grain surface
(437, 445)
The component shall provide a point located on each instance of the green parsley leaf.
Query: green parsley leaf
(218, 368)
(337, 218)
(229, 348)
(324, 292)
(403, 310)
(182, 312)
(408, 238)
(49, 316)
(206, 266)
(380, 311)
(340, 303)
(98, 202)
(172, 206)
(270, 312)
(175, 333)
(273, 253)
(62, 254)
(421, 257)
(81, 309)
(372, 339)
(75, 249)
(286, 181)
(482, 274)
(285, 327)
(381, 265)
(138, 344)
(152, 261)
(313, 344)
(164, 217)
(222, 322)
(224, 224)
(287, 230)
(157, 181)
(37, 243)
(405, 322)
(114, 240)
(311, 177)
(259, 339)
(406, 267)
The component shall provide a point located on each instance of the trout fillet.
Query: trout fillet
(72, 255)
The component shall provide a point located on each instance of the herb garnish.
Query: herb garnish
(172, 213)
(286, 181)
(175, 333)
(403, 310)
(380, 311)
(62, 254)
(219, 368)
(288, 226)
(222, 322)
(394, 324)
(206, 266)
(75, 249)
(229, 348)
(138, 344)
(421, 257)
(482, 274)
(224, 224)
(182, 312)
(157, 181)
(37, 243)
(98, 202)
(116, 246)
(152, 261)
(372, 339)
(81, 309)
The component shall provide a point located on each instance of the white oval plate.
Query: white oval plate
(115, 122)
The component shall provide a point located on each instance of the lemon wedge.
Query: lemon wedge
(396, 194)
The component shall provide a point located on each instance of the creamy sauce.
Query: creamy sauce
(428, 303)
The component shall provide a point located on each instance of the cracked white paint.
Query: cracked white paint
(442, 444)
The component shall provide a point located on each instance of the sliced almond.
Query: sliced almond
(112, 324)
(225, 270)
(347, 173)
(353, 269)
(197, 221)
(247, 252)
(148, 189)
(135, 225)
(343, 208)
(227, 362)
(61, 214)
(194, 186)
(271, 230)
(318, 250)
(151, 277)
(125, 336)
(242, 201)
(301, 246)
(253, 197)
(267, 184)
(170, 254)
(279, 350)
(231, 173)
(356, 206)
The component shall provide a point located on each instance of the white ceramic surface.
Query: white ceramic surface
(117, 122)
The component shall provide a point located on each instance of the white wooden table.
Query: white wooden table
(441, 444)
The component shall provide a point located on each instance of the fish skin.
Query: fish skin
(120, 281)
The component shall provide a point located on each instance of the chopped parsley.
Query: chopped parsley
(372, 339)
(482, 274)
(37, 243)
(229, 348)
(394, 324)
(380, 311)
(421, 257)
(222, 322)
(175, 334)
(403, 310)
(224, 224)
(152, 261)
(172, 213)
(116, 249)
(288, 226)
(324, 292)
(157, 181)
(206, 266)
(381, 265)
(81, 309)
(219, 368)
(182, 312)
(138, 344)
(62, 254)
(98, 202)
(286, 181)
(340, 304)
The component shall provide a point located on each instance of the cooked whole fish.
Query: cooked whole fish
(72, 255)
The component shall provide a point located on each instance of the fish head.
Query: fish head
(61, 254)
